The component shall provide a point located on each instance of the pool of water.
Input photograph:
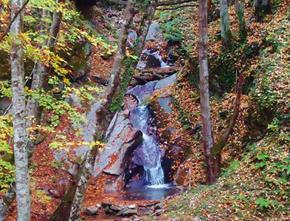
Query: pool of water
(150, 192)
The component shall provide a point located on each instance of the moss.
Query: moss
(126, 77)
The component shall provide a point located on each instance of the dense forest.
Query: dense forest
(144, 110)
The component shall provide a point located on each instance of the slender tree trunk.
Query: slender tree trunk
(224, 136)
(40, 71)
(19, 117)
(89, 161)
(144, 27)
(204, 90)
(55, 27)
(239, 8)
(109, 94)
(225, 23)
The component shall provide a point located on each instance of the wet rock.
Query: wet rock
(154, 32)
(151, 59)
(93, 210)
(158, 212)
(126, 211)
(99, 80)
(107, 208)
(152, 74)
(134, 138)
(111, 208)
(145, 210)
(143, 92)
(133, 206)
(115, 208)
(122, 139)
(166, 82)
(119, 210)
(130, 102)
(158, 206)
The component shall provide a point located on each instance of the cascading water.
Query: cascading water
(151, 59)
(148, 154)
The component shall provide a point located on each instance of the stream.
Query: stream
(132, 168)
(151, 183)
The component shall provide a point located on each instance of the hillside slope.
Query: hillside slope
(254, 186)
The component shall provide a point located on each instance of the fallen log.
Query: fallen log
(161, 70)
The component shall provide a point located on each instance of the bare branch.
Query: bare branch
(12, 20)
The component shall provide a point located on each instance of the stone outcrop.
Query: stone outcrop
(122, 139)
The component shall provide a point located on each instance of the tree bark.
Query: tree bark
(239, 8)
(204, 91)
(225, 23)
(19, 116)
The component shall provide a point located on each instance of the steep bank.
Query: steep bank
(254, 184)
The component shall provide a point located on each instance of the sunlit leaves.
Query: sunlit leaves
(5, 89)
(6, 165)
(49, 5)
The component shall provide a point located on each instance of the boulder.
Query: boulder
(126, 211)
(166, 82)
(92, 210)
(154, 32)
(122, 138)
(117, 167)
(143, 92)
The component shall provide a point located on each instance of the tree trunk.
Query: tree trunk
(239, 8)
(40, 71)
(204, 91)
(225, 23)
(19, 117)
(112, 89)
(223, 138)
(101, 111)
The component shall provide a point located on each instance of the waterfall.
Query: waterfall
(149, 153)
(153, 174)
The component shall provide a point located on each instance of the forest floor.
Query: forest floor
(254, 181)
